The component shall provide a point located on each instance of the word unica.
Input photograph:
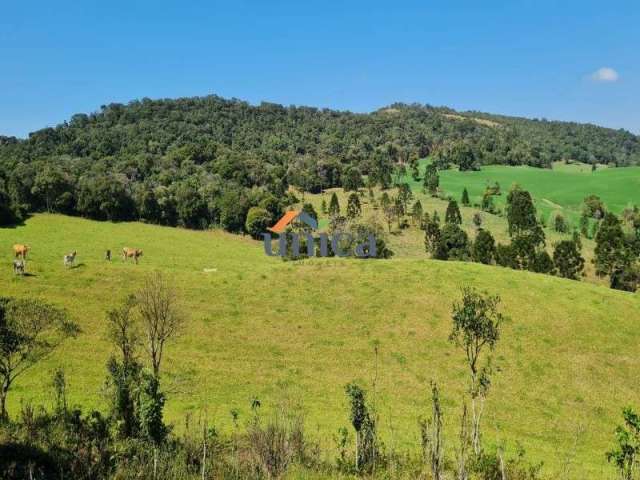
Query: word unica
(341, 243)
(290, 242)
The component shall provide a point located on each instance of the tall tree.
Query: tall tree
(431, 180)
(417, 212)
(567, 260)
(521, 213)
(453, 244)
(334, 205)
(162, 318)
(124, 374)
(353, 206)
(527, 236)
(476, 328)
(352, 180)
(465, 197)
(610, 246)
(431, 235)
(452, 214)
(484, 248)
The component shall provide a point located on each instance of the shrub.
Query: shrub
(258, 219)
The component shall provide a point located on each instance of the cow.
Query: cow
(134, 253)
(107, 255)
(21, 251)
(70, 259)
(18, 267)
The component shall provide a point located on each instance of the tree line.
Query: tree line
(201, 162)
(616, 255)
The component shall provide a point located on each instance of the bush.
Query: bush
(453, 244)
(506, 256)
(542, 263)
(258, 219)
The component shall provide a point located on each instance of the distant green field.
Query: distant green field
(260, 327)
(559, 190)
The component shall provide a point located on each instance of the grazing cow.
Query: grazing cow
(107, 255)
(18, 267)
(134, 253)
(20, 251)
(70, 259)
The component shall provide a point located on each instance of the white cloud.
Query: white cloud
(605, 74)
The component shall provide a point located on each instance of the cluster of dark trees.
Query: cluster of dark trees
(198, 162)
(617, 251)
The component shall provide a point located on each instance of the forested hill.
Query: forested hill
(181, 161)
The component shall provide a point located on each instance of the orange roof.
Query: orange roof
(284, 222)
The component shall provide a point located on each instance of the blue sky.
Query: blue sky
(528, 58)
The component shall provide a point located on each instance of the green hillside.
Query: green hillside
(260, 327)
(561, 189)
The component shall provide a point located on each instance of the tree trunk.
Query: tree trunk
(4, 391)
(475, 429)
(3, 407)
(204, 454)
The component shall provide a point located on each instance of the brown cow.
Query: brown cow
(20, 250)
(134, 253)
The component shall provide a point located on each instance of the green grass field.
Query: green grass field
(561, 189)
(260, 327)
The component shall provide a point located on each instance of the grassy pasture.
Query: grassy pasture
(561, 189)
(260, 327)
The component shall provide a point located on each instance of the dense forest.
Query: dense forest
(205, 161)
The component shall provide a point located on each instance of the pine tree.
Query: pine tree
(577, 239)
(353, 206)
(506, 256)
(610, 247)
(404, 194)
(431, 180)
(521, 214)
(453, 213)
(431, 235)
(567, 260)
(453, 243)
(465, 198)
(542, 263)
(334, 206)
(416, 212)
(527, 236)
(484, 248)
